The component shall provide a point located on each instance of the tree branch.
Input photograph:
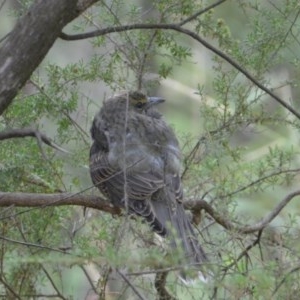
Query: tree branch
(201, 12)
(59, 199)
(293, 270)
(135, 290)
(244, 252)
(9, 289)
(160, 286)
(27, 244)
(270, 216)
(27, 44)
(196, 206)
(25, 132)
(193, 35)
(97, 202)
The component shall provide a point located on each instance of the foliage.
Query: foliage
(240, 154)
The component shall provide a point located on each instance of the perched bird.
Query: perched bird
(135, 161)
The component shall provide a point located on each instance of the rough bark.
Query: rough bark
(30, 40)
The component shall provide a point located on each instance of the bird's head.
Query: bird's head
(140, 102)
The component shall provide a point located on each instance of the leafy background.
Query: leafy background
(240, 150)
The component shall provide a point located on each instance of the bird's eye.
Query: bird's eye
(139, 105)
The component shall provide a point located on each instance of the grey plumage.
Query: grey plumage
(130, 135)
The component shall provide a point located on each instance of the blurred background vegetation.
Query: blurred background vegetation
(240, 150)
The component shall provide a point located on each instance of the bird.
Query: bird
(135, 161)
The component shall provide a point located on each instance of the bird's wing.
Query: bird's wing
(139, 185)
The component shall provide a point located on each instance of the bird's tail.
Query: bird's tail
(179, 230)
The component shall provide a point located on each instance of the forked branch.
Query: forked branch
(29, 132)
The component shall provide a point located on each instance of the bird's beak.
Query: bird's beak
(154, 101)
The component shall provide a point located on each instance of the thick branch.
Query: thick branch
(91, 201)
(30, 40)
(198, 205)
(43, 200)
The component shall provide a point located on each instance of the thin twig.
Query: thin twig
(244, 252)
(200, 12)
(140, 296)
(10, 289)
(270, 216)
(26, 243)
(293, 270)
(89, 279)
(259, 225)
(285, 36)
(59, 295)
(79, 129)
(32, 245)
(255, 182)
